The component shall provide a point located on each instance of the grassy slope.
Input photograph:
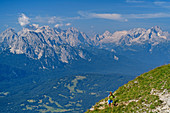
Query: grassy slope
(138, 91)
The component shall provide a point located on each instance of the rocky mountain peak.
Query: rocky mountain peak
(135, 30)
(9, 30)
(135, 36)
(57, 30)
(156, 28)
(8, 35)
(106, 33)
(72, 29)
(32, 27)
(45, 27)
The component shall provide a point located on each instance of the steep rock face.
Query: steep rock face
(164, 96)
(37, 42)
(7, 38)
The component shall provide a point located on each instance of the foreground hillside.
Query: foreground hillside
(149, 92)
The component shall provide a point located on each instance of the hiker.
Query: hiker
(110, 99)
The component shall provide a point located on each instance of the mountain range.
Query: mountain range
(64, 46)
(36, 58)
(151, 45)
(135, 36)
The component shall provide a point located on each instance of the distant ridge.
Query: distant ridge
(57, 44)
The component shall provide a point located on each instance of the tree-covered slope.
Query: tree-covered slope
(149, 92)
(69, 94)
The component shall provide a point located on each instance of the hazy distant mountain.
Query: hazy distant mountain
(135, 36)
(147, 45)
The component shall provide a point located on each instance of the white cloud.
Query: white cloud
(54, 19)
(123, 17)
(6, 25)
(152, 15)
(110, 16)
(162, 4)
(23, 20)
(58, 25)
(159, 3)
(91, 27)
(85, 15)
(40, 19)
(126, 20)
(107, 16)
(134, 1)
(73, 18)
(67, 24)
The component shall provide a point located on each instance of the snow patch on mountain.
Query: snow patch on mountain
(81, 54)
(64, 55)
(116, 58)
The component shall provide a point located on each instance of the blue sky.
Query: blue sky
(89, 16)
